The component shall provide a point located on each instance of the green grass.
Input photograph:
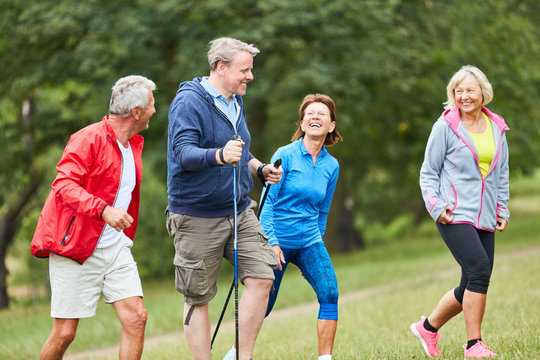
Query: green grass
(394, 284)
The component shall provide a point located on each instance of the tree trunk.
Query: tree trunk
(14, 213)
(341, 234)
(9, 225)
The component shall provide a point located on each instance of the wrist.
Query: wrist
(221, 157)
(260, 174)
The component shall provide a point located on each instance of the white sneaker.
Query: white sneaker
(231, 355)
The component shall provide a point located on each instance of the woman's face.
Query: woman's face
(317, 121)
(468, 95)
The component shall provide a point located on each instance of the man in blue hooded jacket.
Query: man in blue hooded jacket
(208, 134)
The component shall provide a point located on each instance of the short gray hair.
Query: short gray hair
(225, 48)
(485, 86)
(129, 92)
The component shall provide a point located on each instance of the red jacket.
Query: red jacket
(88, 179)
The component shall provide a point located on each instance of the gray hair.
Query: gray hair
(129, 92)
(225, 48)
(485, 86)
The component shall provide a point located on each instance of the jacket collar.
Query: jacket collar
(453, 118)
(136, 140)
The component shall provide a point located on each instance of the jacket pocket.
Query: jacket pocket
(69, 231)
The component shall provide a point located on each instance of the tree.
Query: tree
(386, 65)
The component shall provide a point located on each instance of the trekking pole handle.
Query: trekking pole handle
(236, 137)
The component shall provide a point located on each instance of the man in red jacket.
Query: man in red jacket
(89, 220)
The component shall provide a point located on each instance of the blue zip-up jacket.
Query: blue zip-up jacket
(196, 184)
(450, 174)
(294, 214)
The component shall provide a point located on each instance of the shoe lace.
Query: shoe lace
(433, 340)
(485, 347)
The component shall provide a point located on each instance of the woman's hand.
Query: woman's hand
(446, 217)
(279, 255)
(501, 224)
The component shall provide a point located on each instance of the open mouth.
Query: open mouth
(315, 125)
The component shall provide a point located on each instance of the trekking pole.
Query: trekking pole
(277, 164)
(235, 206)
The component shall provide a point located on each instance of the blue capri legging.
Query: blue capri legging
(317, 268)
(474, 250)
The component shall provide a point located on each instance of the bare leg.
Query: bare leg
(198, 331)
(447, 308)
(132, 315)
(474, 305)
(62, 335)
(326, 333)
(251, 311)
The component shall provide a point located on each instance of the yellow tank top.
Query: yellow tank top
(485, 145)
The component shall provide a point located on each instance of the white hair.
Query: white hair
(130, 92)
(224, 49)
(459, 76)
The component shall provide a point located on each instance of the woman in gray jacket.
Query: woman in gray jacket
(464, 182)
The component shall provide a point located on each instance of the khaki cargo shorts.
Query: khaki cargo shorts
(201, 243)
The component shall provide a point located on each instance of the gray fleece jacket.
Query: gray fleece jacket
(450, 174)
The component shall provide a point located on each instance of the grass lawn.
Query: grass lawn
(382, 291)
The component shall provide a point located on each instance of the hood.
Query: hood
(453, 118)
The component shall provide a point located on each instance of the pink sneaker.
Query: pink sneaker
(427, 338)
(478, 351)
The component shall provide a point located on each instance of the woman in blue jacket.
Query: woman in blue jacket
(295, 212)
(464, 182)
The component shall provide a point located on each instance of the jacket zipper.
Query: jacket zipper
(118, 190)
(225, 117)
(66, 235)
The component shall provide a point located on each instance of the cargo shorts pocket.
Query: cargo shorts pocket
(267, 253)
(190, 277)
(173, 222)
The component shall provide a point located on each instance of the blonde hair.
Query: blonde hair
(331, 138)
(485, 86)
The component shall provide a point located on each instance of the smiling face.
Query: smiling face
(317, 122)
(142, 116)
(468, 95)
(236, 74)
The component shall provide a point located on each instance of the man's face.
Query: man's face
(148, 112)
(237, 74)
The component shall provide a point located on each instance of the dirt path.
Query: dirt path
(279, 315)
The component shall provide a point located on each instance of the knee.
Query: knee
(479, 280)
(328, 296)
(65, 336)
(262, 285)
(458, 293)
(136, 321)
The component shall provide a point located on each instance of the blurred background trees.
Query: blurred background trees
(385, 63)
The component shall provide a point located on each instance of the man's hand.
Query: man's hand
(117, 218)
(232, 152)
(271, 174)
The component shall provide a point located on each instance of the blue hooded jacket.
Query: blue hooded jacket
(196, 184)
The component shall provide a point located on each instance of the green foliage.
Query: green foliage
(385, 63)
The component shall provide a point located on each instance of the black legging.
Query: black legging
(473, 249)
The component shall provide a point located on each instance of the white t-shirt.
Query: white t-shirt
(123, 198)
